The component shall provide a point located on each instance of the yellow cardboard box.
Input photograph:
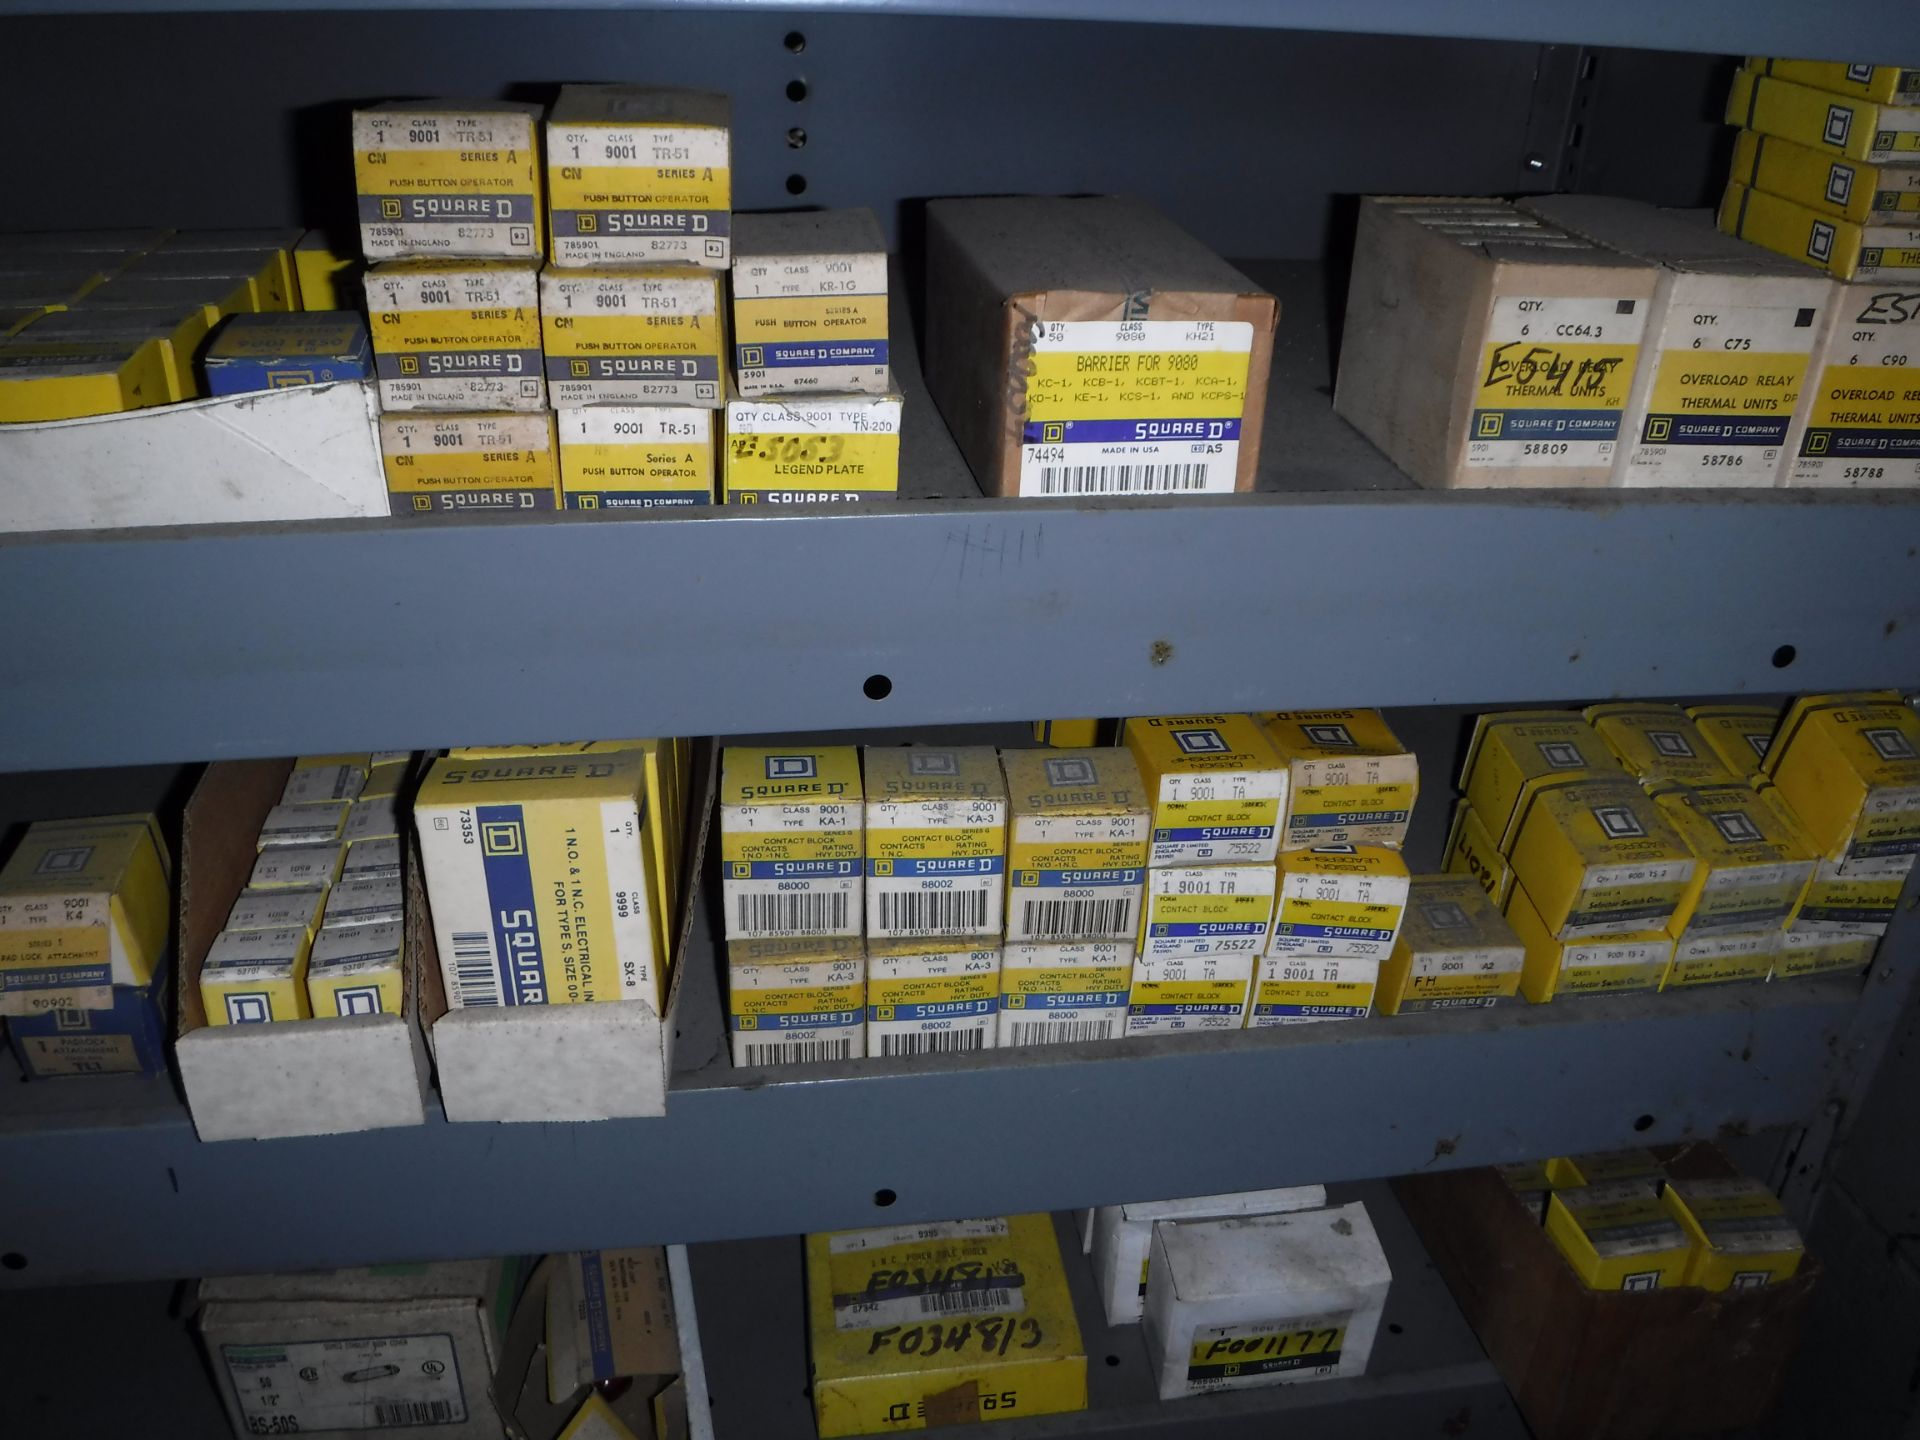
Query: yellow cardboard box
(1819, 952)
(456, 334)
(1293, 989)
(82, 377)
(1848, 766)
(253, 977)
(936, 841)
(1742, 1239)
(1471, 851)
(1857, 128)
(912, 1327)
(1217, 786)
(1511, 748)
(1208, 910)
(1884, 248)
(1077, 849)
(636, 457)
(1597, 857)
(1339, 900)
(448, 177)
(1063, 994)
(793, 1001)
(358, 970)
(1831, 184)
(634, 335)
(1454, 952)
(1738, 734)
(1721, 959)
(1754, 862)
(1887, 84)
(1659, 742)
(1619, 1236)
(1602, 1167)
(1606, 964)
(932, 997)
(1351, 781)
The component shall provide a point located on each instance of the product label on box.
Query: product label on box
(81, 1054)
(1075, 877)
(1717, 960)
(1208, 909)
(454, 338)
(639, 192)
(1615, 899)
(1217, 818)
(1864, 428)
(1291, 990)
(1552, 382)
(1327, 913)
(810, 322)
(1061, 994)
(791, 871)
(785, 1013)
(436, 182)
(1818, 952)
(870, 1294)
(1722, 397)
(631, 339)
(1590, 967)
(54, 952)
(1461, 979)
(935, 867)
(453, 464)
(935, 1003)
(1133, 407)
(802, 451)
(635, 457)
(1226, 1357)
(376, 1383)
(1189, 993)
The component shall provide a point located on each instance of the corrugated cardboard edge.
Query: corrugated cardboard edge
(529, 1063)
(262, 1082)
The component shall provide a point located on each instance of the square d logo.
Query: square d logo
(1671, 744)
(1736, 827)
(249, 1009)
(1644, 1280)
(1820, 241)
(1561, 754)
(752, 357)
(68, 1021)
(1337, 736)
(502, 837)
(1750, 1279)
(1839, 124)
(579, 369)
(1839, 184)
(1890, 744)
(1759, 740)
(1444, 915)
(791, 767)
(586, 223)
(357, 1000)
(423, 502)
(1072, 770)
(389, 209)
(1052, 432)
(1617, 822)
(1860, 74)
(1200, 742)
(409, 364)
(933, 762)
(68, 860)
(1817, 442)
(1659, 427)
(1489, 425)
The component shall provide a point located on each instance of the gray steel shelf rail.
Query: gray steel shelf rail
(1335, 579)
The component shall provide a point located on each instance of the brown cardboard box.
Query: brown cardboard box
(1485, 347)
(1181, 337)
(1591, 1365)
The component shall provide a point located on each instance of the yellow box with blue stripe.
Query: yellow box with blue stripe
(932, 997)
(1189, 993)
(487, 463)
(275, 351)
(358, 969)
(456, 334)
(637, 335)
(1884, 247)
(1077, 852)
(84, 906)
(1293, 989)
(917, 1327)
(448, 177)
(1848, 767)
(1207, 910)
(1064, 994)
(1830, 184)
(1217, 787)
(1738, 734)
(810, 303)
(936, 841)
(794, 1001)
(536, 872)
(126, 1038)
(256, 977)
(1742, 1238)
(1619, 1236)
(1339, 900)
(1455, 951)
(1351, 781)
(792, 841)
(1824, 120)
(617, 458)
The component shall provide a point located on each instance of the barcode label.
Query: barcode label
(412, 1412)
(797, 1053)
(476, 979)
(933, 1042)
(969, 1302)
(1076, 919)
(818, 914)
(1061, 1032)
(1121, 479)
(945, 912)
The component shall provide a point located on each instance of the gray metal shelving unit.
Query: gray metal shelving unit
(1334, 583)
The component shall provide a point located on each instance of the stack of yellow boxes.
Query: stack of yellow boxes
(320, 928)
(1219, 795)
(1342, 886)
(93, 322)
(1586, 867)
(812, 412)
(1826, 170)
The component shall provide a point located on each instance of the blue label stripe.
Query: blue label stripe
(1335, 1012)
(641, 224)
(1110, 432)
(938, 1009)
(976, 865)
(637, 499)
(791, 869)
(1862, 444)
(1183, 1009)
(1349, 817)
(58, 977)
(1545, 425)
(822, 352)
(1093, 1000)
(1056, 879)
(1714, 430)
(1329, 932)
(818, 1021)
(1213, 832)
(510, 892)
(599, 1332)
(1205, 929)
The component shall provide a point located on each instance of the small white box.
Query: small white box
(1119, 1236)
(1208, 910)
(1264, 1299)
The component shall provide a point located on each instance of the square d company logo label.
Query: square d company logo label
(1644, 1280)
(68, 860)
(1670, 743)
(791, 767)
(1071, 770)
(1839, 124)
(1820, 241)
(1337, 736)
(1750, 1279)
(1736, 827)
(1617, 822)
(249, 1009)
(502, 837)
(1839, 184)
(933, 762)
(1860, 74)
(1560, 754)
(1890, 744)
(1200, 742)
(357, 1000)
(69, 1021)
(1444, 915)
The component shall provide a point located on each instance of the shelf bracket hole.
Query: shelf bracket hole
(795, 41)
(796, 184)
(796, 90)
(14, 1260)
(884, 1198)
(1113, 1360)
(1784, 657)
(1645, 1122)
(876, 687)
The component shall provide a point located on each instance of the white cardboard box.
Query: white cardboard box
(563, 1062)
(1118, 1237)
(304, 453)
(323, 1076)
(1263, 1299)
